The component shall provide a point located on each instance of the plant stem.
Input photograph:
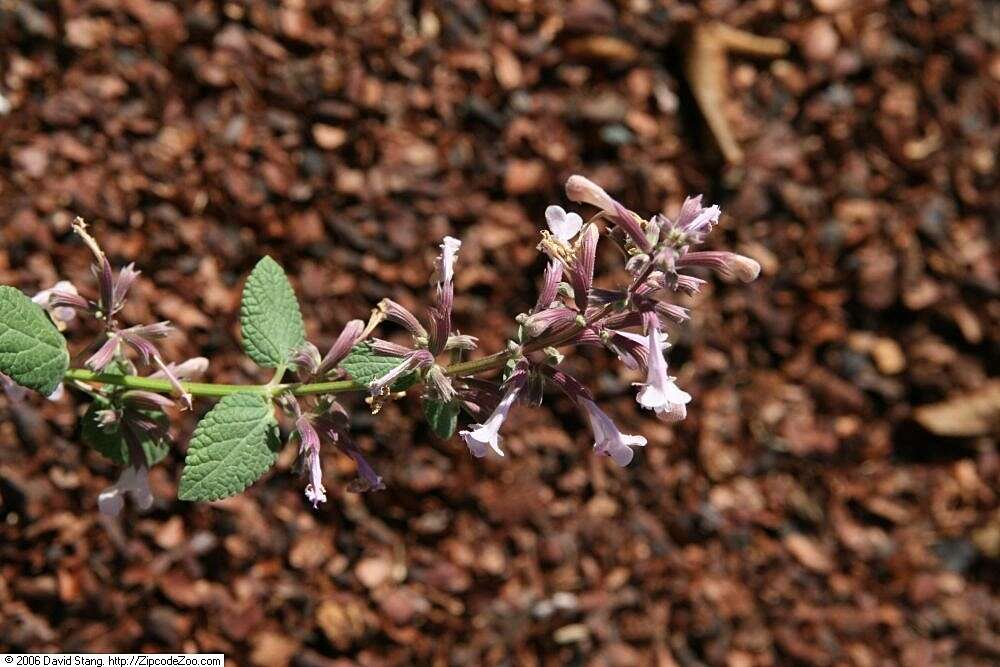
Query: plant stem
(211, 390)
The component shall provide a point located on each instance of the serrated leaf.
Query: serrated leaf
(364, 365)
(32, 351)
(232, 446)
(111, 443)
(442, 417)
(269, 315)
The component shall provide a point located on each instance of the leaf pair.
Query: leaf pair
(237, 440)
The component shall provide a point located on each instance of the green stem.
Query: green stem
(211, 390)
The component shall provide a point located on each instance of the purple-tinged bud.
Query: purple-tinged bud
(672, 312)
(581, 270)
(126, 276)
(347, 339)
(107, 420)
(631, 224)
(608, 440)
(440, 384)
(584, 191)
(486, 436)
(394, 312)
(104, 355)
(106, 283)
(461, 342)
(440, 317)
(729, 265)
(550, 285)
(146, 400)
(564, 226)
(306, 358)
(440, 312)
(559, 320)
(388, 348)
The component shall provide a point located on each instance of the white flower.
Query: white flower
(444, 266)
(608, 440)
(564, 226)
(487, 434)
(60, 315)
(660, 393)
(132, 480)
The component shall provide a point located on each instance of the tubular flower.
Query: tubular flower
(659, 392)
(134, 481)
(608, 440)
(486, 436)
(61, 311)
(729, 265)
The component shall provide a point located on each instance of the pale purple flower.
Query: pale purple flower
(584, 191)
(486, 436)
(395, 312)
(61, 314)
(564, 226)
(134, 481)
(309, 451)
(348, 338)
(190, 369)
(608, 440)
(444, 265)
(729, 265)
(696, 219)
(659, 392)
(440, 312)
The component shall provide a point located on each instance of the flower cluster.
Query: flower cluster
(628, 320)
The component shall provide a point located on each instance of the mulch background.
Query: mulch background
(802, 514)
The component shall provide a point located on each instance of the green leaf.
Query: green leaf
(270, 317)
(363, 364)
(32, 351)
(111, 443)
(232, 446)
(442, 416)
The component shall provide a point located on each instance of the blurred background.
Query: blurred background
(831, 498)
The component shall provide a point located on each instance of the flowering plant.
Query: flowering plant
(238, 439)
